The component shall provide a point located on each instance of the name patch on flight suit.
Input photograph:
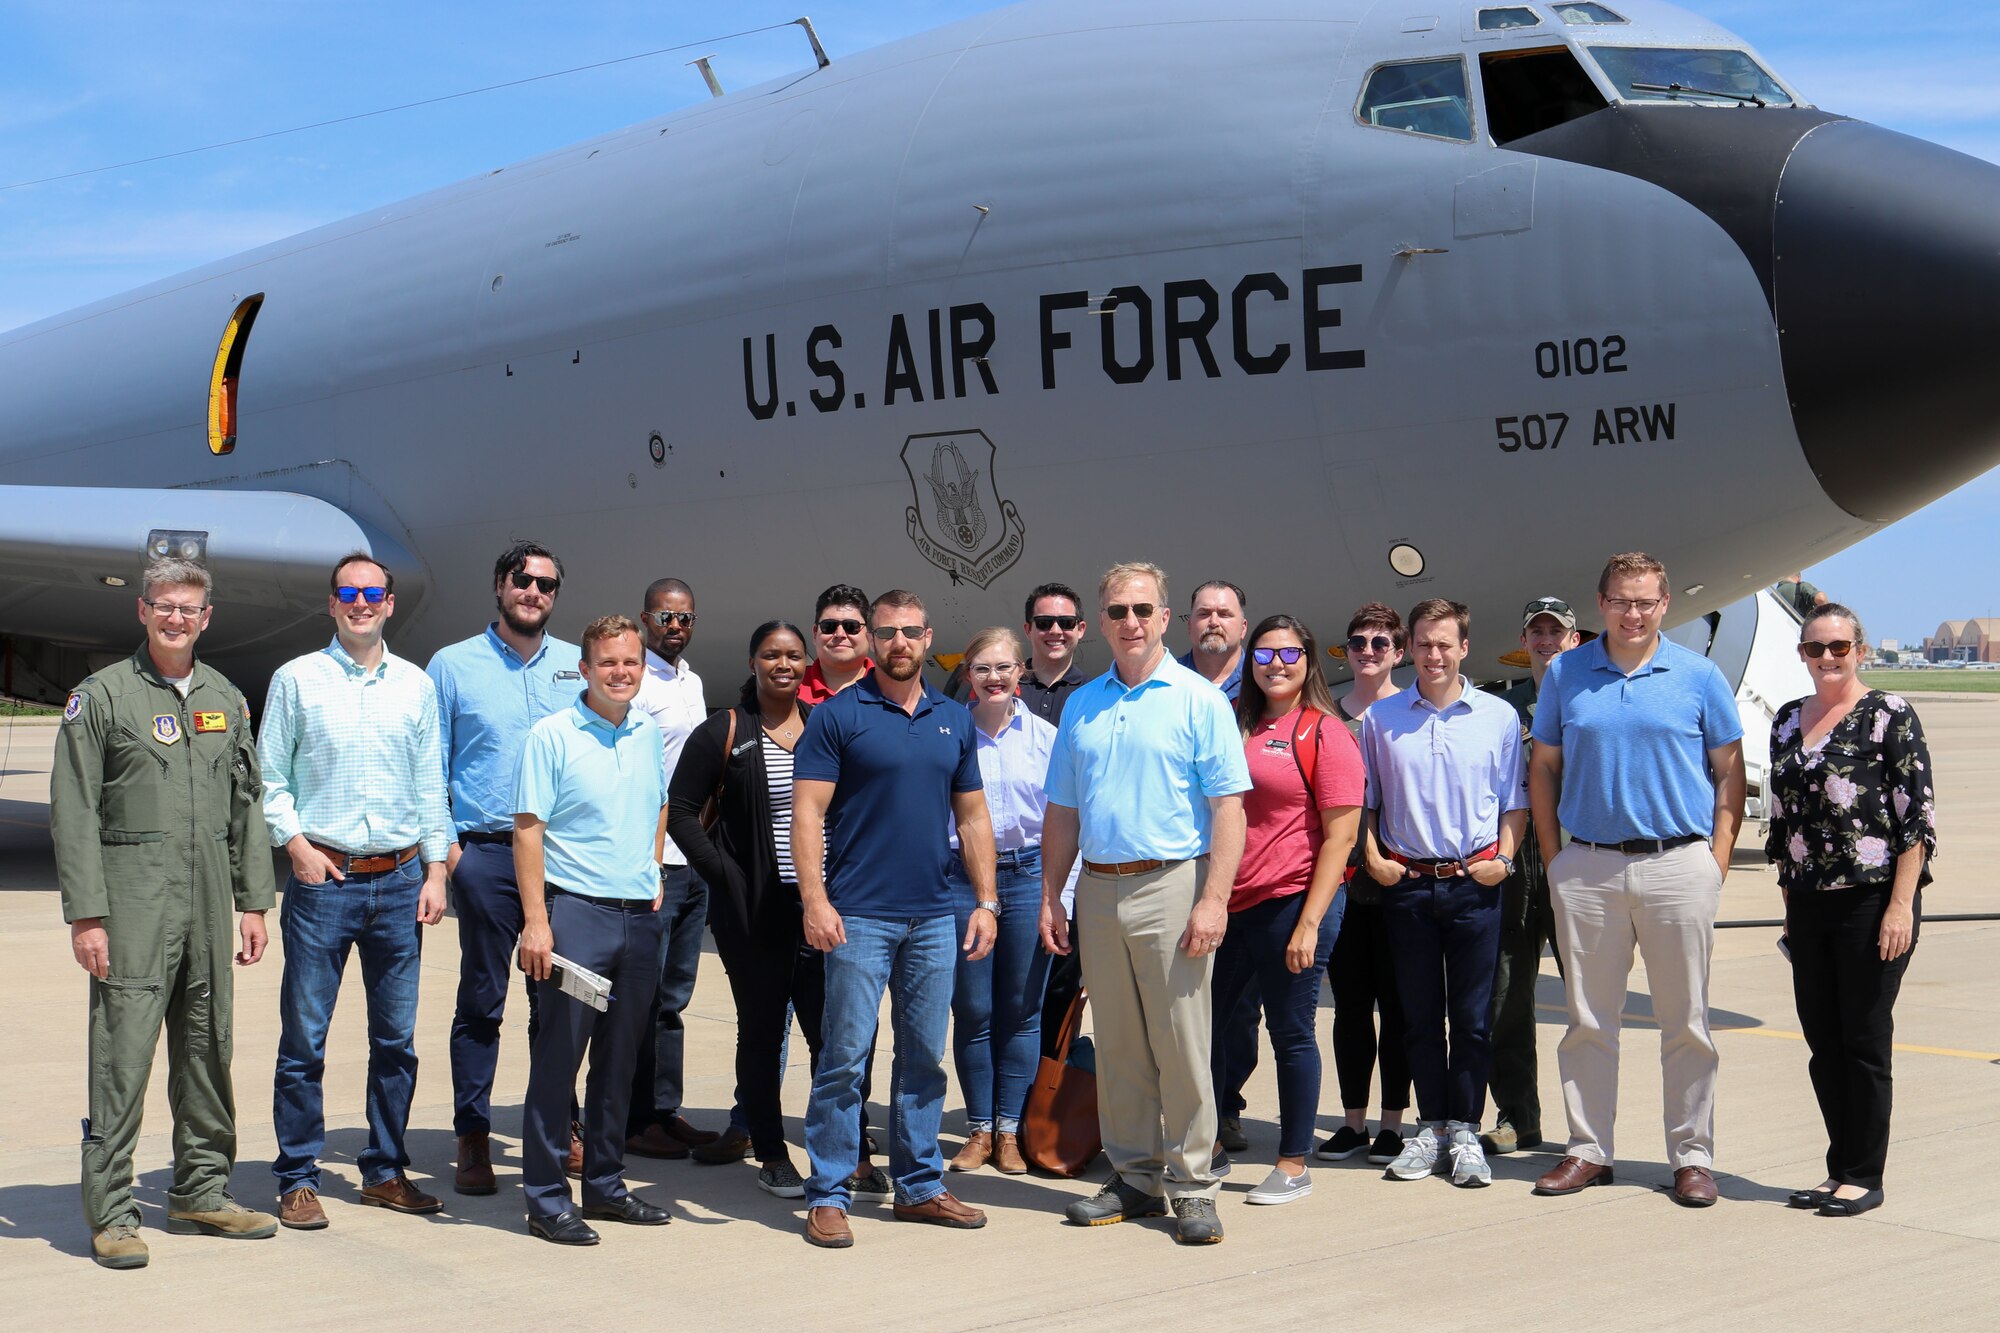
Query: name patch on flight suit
(166, 728)
(211, 722)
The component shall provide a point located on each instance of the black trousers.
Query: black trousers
(1846, 997)
(1361, 978)
(1065, 980)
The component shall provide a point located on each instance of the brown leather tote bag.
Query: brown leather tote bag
(1059, 1131)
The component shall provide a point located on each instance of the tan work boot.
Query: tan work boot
(231, 1221)
(976, 1151)
(475, 1165)
(119, 1247)
(300, 1210)
(1007, 1159)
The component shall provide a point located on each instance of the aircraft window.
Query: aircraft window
(1587, 15)
(228, 370)
(1666, 74)
(1528, 91)
(1422, 97)
(1499, 20)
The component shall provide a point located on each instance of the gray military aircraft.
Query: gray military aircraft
(1326, 296)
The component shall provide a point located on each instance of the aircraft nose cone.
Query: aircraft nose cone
(1886, 289)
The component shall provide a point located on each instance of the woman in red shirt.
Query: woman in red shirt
(1301, 813)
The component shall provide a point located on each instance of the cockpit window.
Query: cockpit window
(1586, 15)
(1422, 97)
(1514, 16)
(1669, 74)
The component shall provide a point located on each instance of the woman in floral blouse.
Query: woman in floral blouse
(1852, 835)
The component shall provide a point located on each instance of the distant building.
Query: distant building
(1976, 640)
(1891, 646)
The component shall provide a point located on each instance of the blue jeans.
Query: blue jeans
(912, 958)
(656, 1079)
(996, 1003)
(375, 915)
(1251, 961)
(1445, 936)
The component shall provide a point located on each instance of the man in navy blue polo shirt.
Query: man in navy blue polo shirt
(1639, 754)
(881, 768)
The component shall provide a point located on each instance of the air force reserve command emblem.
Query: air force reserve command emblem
(73, 707)
(166, 728)
(958, 521)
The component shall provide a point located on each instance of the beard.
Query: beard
(901, 668)
(1214, 641)
(523, 621)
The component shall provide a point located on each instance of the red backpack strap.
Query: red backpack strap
(1305, 749)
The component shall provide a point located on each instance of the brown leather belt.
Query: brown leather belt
(1436, 868)
(1121, 868)
(350, 864)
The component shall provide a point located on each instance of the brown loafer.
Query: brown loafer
(676, 1126)
(1694, 1187)
(475, 1165)
(1007, 1159)
(977, 1151)
(943, 1211)
(731, 1147)
(654, 1141)
(1572, 1174)
(398, 1195)
(827, 1228)
(573, 1167)
(300, 1210)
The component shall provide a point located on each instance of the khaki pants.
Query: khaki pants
(1150, 1018)
(1665, 902)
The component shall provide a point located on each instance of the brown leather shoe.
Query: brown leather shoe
(573, 1168)
(677, 1127)
(942, 1210)
(827, 1228)
(1572, 1174)
(731, 1147)
(1694, 1187)
(398, 1195)
(1007, 1159)
(976, 1151)
(300, 1210)
(654, 1141)
(475, 1165)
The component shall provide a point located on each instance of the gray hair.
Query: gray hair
(173, 572)
(1127, 570)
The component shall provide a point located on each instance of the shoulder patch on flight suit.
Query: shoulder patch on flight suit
(74, 708)
(166, 728)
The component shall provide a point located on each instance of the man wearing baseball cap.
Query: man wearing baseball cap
(1548, 627)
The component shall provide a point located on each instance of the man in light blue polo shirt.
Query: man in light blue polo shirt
(590, 816)
(1638, 750)
(491, 688)
(1447, 803)
(882, 767)
(1147, 780)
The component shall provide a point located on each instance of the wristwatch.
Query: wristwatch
(1505, 860)
(991, 907)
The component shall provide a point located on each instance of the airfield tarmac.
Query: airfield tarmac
(1361, 1253)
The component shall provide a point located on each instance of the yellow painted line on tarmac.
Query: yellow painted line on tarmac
(1784, 1035)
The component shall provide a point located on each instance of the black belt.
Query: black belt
(502, 839)
(1641, 846)
(615, 904)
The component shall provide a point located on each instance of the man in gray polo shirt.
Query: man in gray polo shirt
(1638, 753)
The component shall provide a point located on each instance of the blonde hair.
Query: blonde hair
(992, 635)
(1631, 564)
(1127, 570)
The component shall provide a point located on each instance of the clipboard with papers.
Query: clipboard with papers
(580, 982)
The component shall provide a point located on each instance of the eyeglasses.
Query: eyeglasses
(984, 672)
(1047, 623)
(1361, 643)
(1143, 610)
(174, 610)
(372, 594)
(1816, 650)
(839, 627)
(662, 619)
(1289, 656)
(547, 585)
(888, 633)
(1645, 606)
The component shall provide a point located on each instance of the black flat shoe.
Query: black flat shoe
(1811, 1198)
(630, 1209)
(1867, 1203)
(565, 1228)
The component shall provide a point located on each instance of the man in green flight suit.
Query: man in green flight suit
(155, 807)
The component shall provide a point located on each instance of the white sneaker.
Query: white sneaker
(1421, 1156)
(1280, 1188)
(1468, 1159)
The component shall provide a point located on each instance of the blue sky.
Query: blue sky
(85, 84)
